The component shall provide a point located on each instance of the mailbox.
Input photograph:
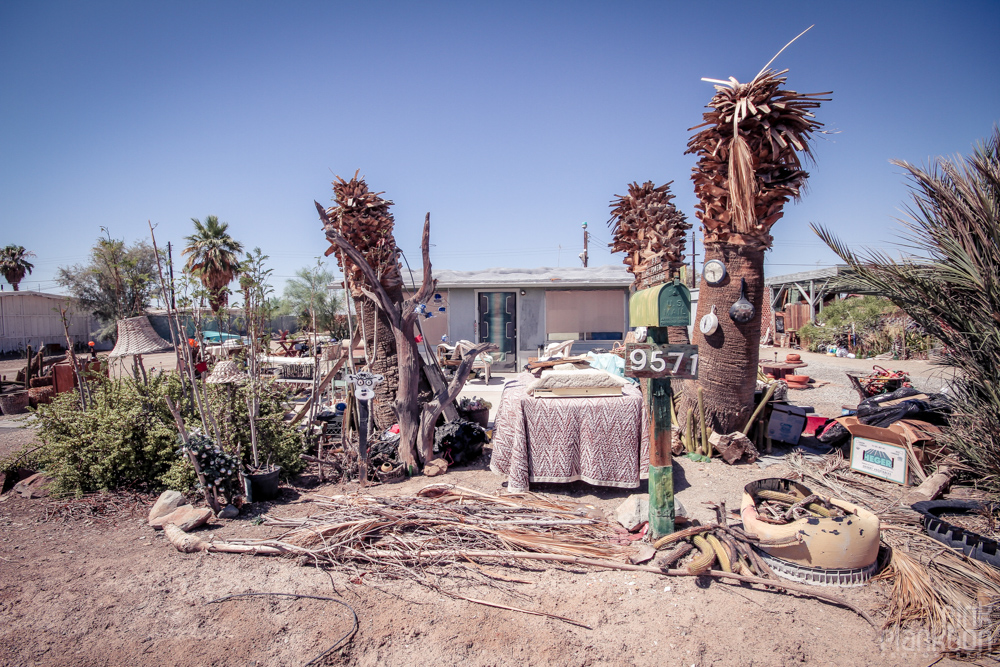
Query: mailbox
(666, 305)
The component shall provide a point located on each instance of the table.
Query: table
(600, 440)
(781, 369)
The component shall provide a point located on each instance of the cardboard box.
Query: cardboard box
(888, 453)
(786, 423)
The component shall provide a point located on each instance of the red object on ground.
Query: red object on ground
(394, 429)
(814, 424)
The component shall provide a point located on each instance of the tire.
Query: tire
(971, 544)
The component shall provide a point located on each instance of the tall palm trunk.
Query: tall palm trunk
(727, 360)
(380, 343)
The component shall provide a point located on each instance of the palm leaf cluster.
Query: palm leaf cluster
(14, 264)
(749, 164)
(950, 283)
(214, 258)
(648, 228)
(363, 218)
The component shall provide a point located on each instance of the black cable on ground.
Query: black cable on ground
(340, 642)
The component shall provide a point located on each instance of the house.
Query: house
(522, 310)
(32, 318)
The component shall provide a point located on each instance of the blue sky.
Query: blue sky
(512, 123)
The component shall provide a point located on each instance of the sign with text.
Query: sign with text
(879, 459)
(649, 360)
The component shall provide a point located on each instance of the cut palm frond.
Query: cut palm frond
(949, 281)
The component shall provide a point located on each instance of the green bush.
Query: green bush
(125, 438)
(276, 442)
(128, 438)
(875, 323)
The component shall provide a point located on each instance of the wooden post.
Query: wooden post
(27, 371)
(661, 472)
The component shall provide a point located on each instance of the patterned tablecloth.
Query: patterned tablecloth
(602, 441)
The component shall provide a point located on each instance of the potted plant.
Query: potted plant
(475, 409)
(260, 481)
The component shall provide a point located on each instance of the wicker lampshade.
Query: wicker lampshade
(136, 336)
(226, 372)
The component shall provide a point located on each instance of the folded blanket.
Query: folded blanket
(576, 379)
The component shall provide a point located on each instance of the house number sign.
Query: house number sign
(649, 360)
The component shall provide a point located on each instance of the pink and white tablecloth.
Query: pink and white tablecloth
(601, 440)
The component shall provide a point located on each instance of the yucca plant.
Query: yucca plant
(750, 151)
(363, 218)
(948, 279)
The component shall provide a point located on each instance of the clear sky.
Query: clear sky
(511, 122)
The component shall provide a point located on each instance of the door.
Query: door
(498, 325)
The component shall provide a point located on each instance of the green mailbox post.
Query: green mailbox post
(656, 308)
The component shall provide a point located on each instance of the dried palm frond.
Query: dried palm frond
(948, 279)
(363, 218)
(749, 164)
(649, 229)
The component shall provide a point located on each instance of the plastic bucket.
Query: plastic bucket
(262, 486)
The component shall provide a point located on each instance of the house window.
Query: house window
(584, 314)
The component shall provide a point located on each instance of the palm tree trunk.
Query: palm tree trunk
(727, 360)
(381, 345)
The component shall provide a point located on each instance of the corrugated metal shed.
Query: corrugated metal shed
(32, 318)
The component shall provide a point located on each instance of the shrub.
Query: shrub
(125, 438)
(948, 282)
(276, 442)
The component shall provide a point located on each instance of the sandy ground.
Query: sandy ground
(78, 588)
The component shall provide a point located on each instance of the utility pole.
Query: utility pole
(583, 256)
(694, 254)
(170, 263)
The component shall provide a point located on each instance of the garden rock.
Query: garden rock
(229, 512)
(436, 467)
(165, 504)
(634, 511)
(734, 447)
(36, 486)
(186, 518)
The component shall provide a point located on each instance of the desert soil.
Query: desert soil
(86, 586)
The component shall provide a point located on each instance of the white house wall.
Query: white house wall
(33, 319)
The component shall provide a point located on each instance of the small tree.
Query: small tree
(308, 296)
(117, 283)
(214, 258)
(14, 264)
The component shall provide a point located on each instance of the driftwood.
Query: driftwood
(402, 320)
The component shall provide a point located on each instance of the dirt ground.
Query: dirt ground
(85, 588)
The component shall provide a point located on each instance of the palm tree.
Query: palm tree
(748, 168)
(14, 264)
(363, 218)
(648, 228)
(949, 281)
(213, 258)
